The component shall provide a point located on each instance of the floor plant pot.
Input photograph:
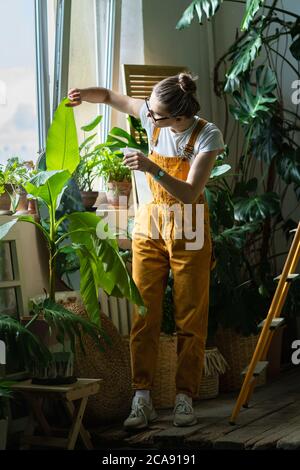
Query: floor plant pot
(57, 372)
(3, 433)
(117, 191)
(237, 351)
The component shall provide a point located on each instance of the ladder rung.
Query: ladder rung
(276, 323)
(290, 277)
(259, 368)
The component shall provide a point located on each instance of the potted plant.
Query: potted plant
(117, 176)
(246, 211)
(5, 394)
(101, 264)
(87, 169)
(12, 195)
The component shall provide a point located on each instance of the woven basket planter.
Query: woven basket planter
(214, 365)
(164, 387)
(112, 403)
(238, 351)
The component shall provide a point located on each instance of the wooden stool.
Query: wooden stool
(78, 392)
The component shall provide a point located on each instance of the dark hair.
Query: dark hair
(178, 94)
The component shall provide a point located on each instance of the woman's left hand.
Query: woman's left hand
(137, 161)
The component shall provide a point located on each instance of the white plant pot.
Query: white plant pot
(3, 433)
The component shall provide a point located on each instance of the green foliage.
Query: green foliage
(242, 55)
(118, 138)
(21, 342)
(111, 166)
(14, 174)
(199, 7)
(62, 145)
(245, 210)
(5, 394)
(88, 169)
(252, 7)
(105, 267)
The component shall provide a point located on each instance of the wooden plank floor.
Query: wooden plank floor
(272, 421)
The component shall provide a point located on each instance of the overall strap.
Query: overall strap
(189, 148)
(154, 138)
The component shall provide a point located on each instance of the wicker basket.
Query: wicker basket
(238, 351)
(113, 401)
(214, 365)
(164, 388)
(209, 387)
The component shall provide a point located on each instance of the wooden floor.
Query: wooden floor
(272, 421)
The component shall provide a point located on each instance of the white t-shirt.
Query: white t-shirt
(172, 143)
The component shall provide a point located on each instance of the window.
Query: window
(18, 110)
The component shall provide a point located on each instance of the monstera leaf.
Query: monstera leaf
(257, 208)
(249, 106)
(199, 7)
(243, 55)
(288, 165)
(252, 7)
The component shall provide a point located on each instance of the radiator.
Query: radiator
(118, 310)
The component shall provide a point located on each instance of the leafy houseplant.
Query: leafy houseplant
(246, 210)
(88, 168)
(116, 175)
(12, 175)
(101, 264)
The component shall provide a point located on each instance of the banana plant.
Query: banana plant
(101, 264)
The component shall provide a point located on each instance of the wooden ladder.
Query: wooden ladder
(269, 325)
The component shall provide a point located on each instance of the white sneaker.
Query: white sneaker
(183, 412)
(142, 413)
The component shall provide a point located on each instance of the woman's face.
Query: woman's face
(156, 110)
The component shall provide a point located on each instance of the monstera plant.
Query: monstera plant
(245, 205)
(101, 263)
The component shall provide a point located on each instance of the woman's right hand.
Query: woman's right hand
(75, 97)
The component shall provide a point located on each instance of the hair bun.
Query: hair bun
(187, 82)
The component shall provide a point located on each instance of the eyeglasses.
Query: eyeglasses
(152, 114)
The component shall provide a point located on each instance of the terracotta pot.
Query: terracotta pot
(89, 198)
(5, 204)
(32, 207)
(22, 207)
(5, 201)
(117, 191)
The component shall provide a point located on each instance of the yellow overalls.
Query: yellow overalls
(151, 261)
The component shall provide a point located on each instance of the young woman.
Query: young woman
(183, 150)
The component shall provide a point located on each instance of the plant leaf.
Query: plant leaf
(5, 228)
(62, 152)
(94, 123)
(257, 208)
(48, 186)
(243, 55)
(252, 7)
(199, 7)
